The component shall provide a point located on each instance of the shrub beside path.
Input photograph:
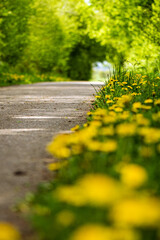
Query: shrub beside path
(30, 115)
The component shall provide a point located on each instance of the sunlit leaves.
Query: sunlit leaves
(130, 27)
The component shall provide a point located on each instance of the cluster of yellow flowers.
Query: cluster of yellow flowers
(101, 232)
(14, 76)
(121, 138)
(104, 132)
(123, 116)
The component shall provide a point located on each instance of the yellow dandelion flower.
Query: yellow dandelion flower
(109, 101)
(8, 232)
(94, 189)
(118, 109)
(133, 175)
(124, 100)
(115, 98)
(141, 120)
(95, 124)
(75, 128)
(115, 80)
(151, 135)
(85, 134)
(58, 146)
(109, 146)
(144, 107)
(93, 145)
(113, 107)
(99, 189)
(90, 232)
(157, 102)
(133, 94)
(126, 129)
(89, 113)
(138, 212)
(100, 112)
(137, 105)
(63, 153)
(85, 125)
(97, 118)
(100, 232)
(107, 131)
(70, 194)
(134, 84)
(125, 115)
(76, 149)
(57, 165)
(148, 101)
(109, 119)
(144, 82)
(107, 96)
(112, 113)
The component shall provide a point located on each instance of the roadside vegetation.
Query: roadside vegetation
(106, 174)
(107, 171)
(27, 78)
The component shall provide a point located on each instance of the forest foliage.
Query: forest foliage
(66, 37)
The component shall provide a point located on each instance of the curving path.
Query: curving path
(30, 115)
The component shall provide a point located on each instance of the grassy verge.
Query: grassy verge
(7, 79)
(107, 184)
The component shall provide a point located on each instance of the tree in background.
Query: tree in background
(1, 19)
(59, 41)
(14, 29)
(67, 36)
(3, 14)
(129, 29)
(45, 50)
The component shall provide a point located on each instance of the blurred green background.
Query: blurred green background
(67, 37)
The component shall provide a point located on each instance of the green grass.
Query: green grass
(12, 78)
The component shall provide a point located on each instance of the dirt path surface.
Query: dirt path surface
(30, 115)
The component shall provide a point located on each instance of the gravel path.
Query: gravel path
(30, 115)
